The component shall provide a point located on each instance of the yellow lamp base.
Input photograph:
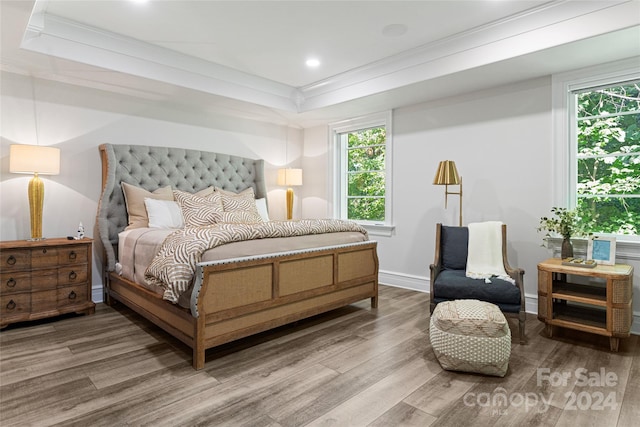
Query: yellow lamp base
(289, 203)
(36, 201)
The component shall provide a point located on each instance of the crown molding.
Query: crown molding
(63, 38)
(547, 26)
(552, 24)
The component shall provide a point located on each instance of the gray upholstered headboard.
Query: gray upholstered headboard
(154, 167)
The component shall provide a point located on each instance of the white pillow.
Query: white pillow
(261, 205)
(163, 213)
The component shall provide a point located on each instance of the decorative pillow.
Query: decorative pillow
(245, 201)
(261, 205)
(454, 243)
(163, 213)
(205, 192)
(198, 211)
(240, 217)
(134, 200)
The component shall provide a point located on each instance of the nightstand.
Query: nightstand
(600, 303)
(44, 278)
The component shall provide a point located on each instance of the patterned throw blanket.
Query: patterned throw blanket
(174, 266)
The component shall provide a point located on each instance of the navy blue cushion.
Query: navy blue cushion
(453, 284)
(454, 243)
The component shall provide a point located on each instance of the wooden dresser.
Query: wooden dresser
(44, 278)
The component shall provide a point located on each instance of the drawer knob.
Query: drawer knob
(73, 275)
(72, 295)
(73, 255)
(11, 260)
(11, 305)
(11, 283)
(44, 250)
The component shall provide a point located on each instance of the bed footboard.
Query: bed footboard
(236, 298)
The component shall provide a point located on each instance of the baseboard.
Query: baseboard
(97, 295)
(405, 281)
(531, 303)
(635, 325)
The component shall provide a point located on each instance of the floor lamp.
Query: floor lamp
(38, 161)
(290, 177)
(447, 175)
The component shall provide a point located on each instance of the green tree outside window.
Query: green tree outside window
(608, 158)
(366, 174)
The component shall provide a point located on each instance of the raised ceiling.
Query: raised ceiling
(373, 55)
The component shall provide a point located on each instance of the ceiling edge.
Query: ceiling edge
(59, 37)
(520, 35)
(551, 24)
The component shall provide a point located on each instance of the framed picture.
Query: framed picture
(602, 250)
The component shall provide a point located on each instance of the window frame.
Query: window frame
(564, 149)
(339, 164)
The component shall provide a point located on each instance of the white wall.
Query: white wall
(501, 141)
(78, 119)
(499, 138)
(315, 196)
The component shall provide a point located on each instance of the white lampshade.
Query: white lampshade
(289, 176)
(34, 159)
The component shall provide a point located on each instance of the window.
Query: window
(607, 129)
(596, 157)
(362, 170)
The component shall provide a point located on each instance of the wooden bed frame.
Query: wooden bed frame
(235, 298)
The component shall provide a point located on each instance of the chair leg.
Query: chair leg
(521, 319)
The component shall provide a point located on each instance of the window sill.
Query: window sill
(379, 229)
(625, 249)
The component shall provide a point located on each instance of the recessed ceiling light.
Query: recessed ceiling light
(312, 62)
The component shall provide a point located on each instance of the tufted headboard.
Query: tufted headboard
(154, 167)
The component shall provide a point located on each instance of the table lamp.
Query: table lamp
(38, 161)
(289, 177)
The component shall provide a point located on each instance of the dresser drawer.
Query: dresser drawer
(72, 275)
(44, 279)
(72, 255)
(44, 300)
(14, 305)
(72, 295)
(44, 257)
(15, 282)
(15, 259)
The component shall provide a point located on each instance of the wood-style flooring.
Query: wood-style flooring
(351, 367)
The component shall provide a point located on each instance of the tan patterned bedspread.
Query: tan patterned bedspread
(175, 264)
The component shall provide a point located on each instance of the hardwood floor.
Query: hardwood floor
(351, 367)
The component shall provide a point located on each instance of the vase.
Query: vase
(567, 248)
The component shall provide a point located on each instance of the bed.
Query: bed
(248, 286)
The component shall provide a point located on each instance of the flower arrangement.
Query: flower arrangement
(564, 222)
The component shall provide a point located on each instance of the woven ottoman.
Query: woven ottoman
(471, 336)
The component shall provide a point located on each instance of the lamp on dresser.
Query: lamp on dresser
(36, 160)
(289, 177)
(447, 174)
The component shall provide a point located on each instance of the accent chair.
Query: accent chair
(449, 281)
